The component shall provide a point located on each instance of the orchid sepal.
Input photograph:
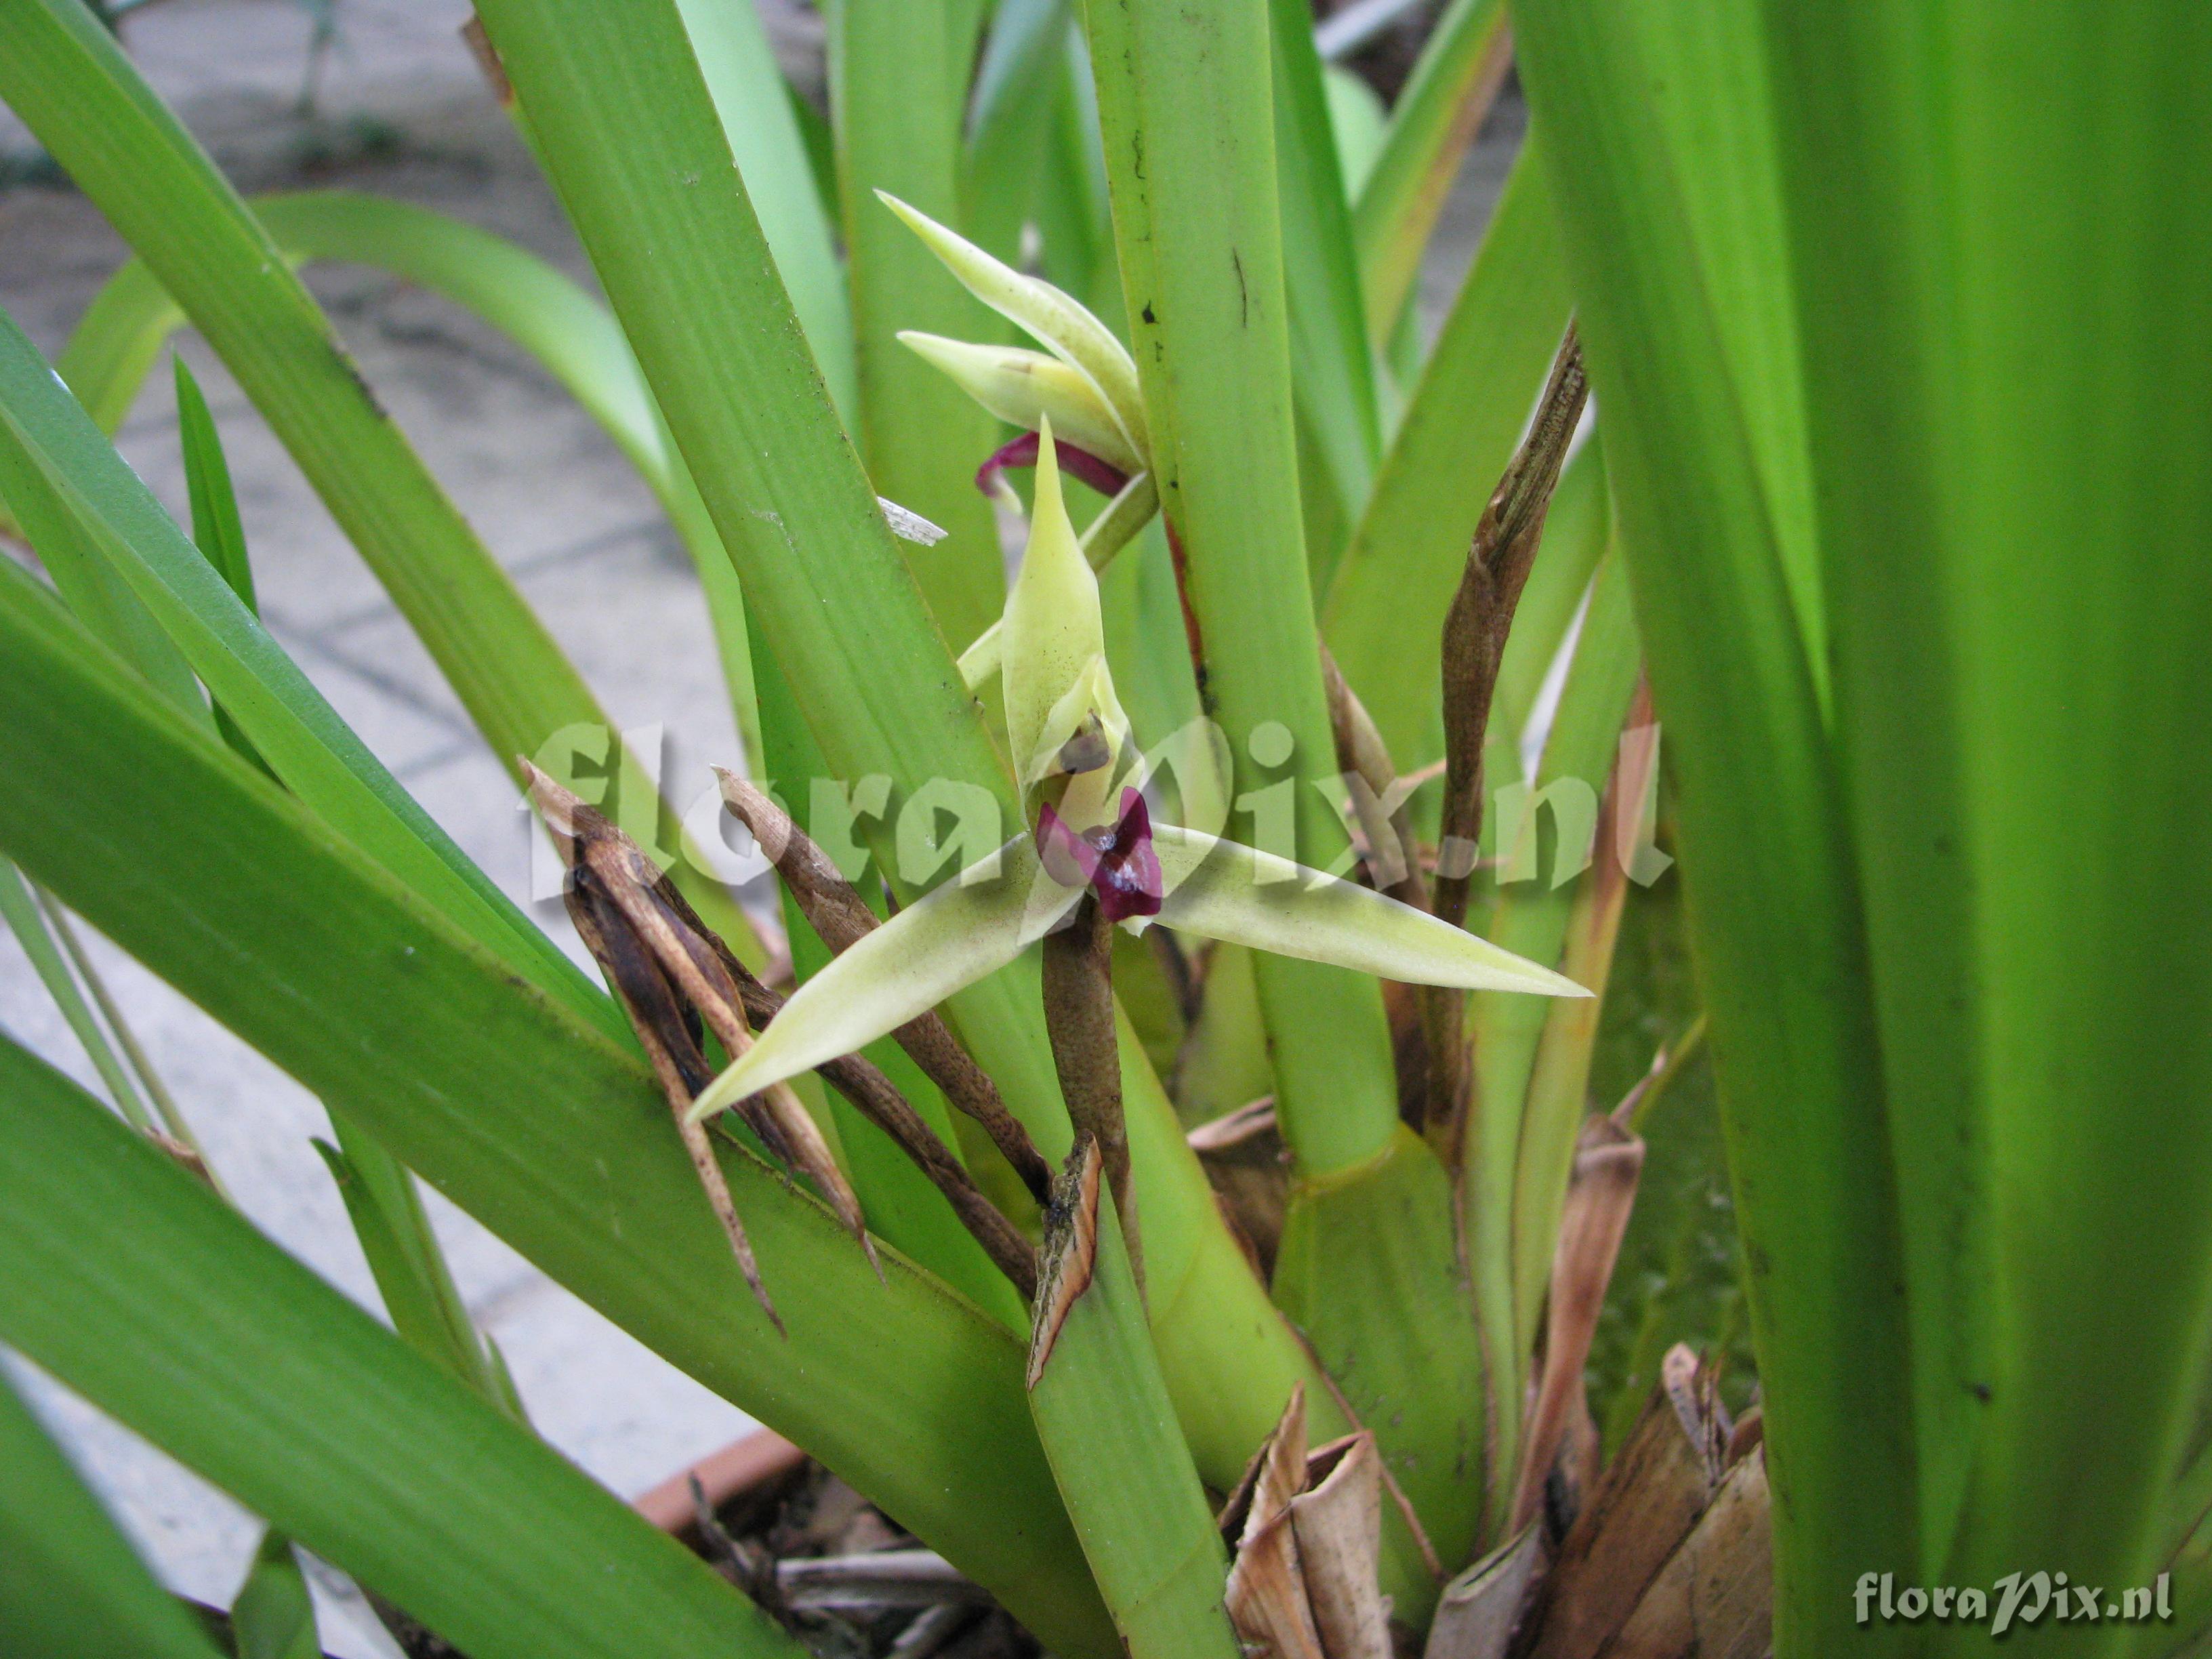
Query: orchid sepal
(1223, 889)
(1058, 321)
(1025, 388)
(953, 936)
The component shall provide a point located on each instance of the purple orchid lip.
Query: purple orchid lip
(1117, 862)
(1102, 476)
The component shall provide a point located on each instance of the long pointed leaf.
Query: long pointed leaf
(1384, 614)
(2007, 390)
(1199, 228)
(98, 498)
(895, 103)
(72, 1587)
(539, 1124)
(66, 76)
(1777, 917)
(196, 1332)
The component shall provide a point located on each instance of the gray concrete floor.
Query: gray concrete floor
(401, 112)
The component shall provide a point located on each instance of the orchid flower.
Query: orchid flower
(1084, 384)
(1090, 830)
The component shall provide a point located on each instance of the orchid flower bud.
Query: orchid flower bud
(1063, 718)
(1060, 324)
(1025, 388)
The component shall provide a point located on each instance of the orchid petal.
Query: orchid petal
(1117, 526)
(1024, 388)
(971, 927)
(1054, 642)
(1060, 324)
(1223, 889)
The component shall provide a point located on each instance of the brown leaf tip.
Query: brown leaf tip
(1071, 1249)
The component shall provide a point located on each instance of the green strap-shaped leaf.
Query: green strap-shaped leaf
(66, 76)
(543, 1125)
(195, 1331)
(89, 494)
(567, 332)
(1010, 119)
(2005, 365)
(1332, 368)
(1780, 941)
(1430, 128)
(20, 910)
(1200, 233)
(1096, 1389)
(762, 125)
(273, 1616)
(896, 104)
(70, 1587)
(1384, 612)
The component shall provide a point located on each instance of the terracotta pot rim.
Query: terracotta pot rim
(752, 1461)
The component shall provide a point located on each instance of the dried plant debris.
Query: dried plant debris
(1601, 1193)
(836, 912)
(1381, 807)
(1071, 1249)
(1646, 1504)
(1304, 1529)
(673, 974)
(673, 985)
(1498, 560)
(1715, 1597)
(848, 1583)
(1481, 1610)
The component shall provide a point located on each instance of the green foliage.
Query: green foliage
(1900, 342)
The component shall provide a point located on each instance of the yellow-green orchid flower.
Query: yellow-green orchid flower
(1086, 388)
(1091, 832)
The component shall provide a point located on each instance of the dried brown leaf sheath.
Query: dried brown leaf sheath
(1306, 1532)
(841, 917)
(1266, 1591)
(1071, 1249)
(1393, 851)
(1650, 1497)
(1715, 1597)
(694, 968)
(1248, 1167)
(1482, 1608)
(1339, 1522)
(1475, 629)
(666, 1031)
(1608, 1161)
(706, 968)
